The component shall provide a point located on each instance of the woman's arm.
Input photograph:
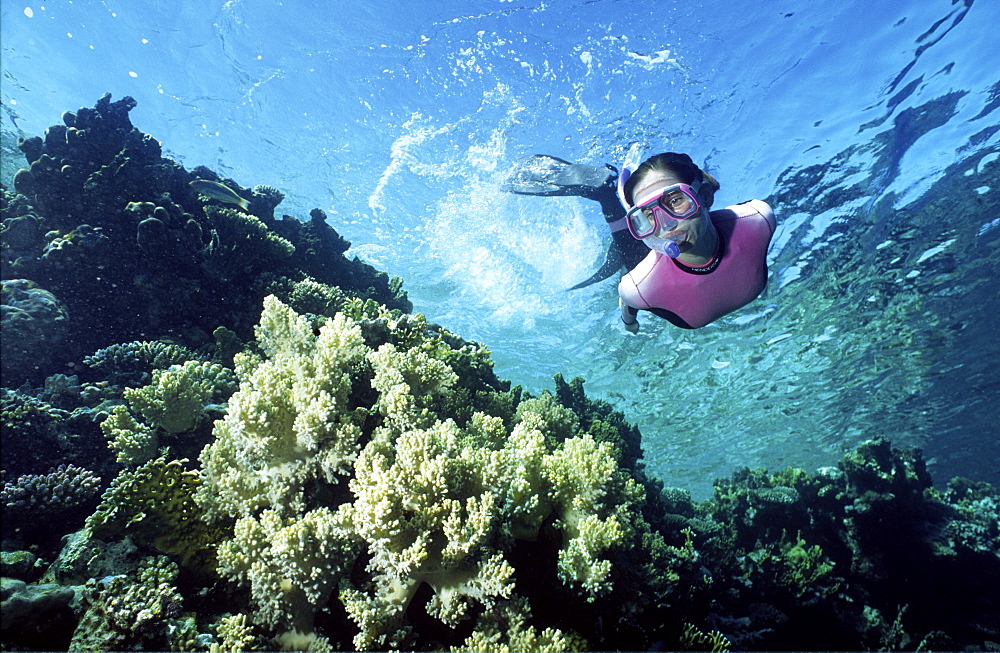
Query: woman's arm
(629, 316)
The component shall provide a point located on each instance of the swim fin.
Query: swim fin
(624, 251)
(543, 174)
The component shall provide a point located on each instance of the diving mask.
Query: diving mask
(662, 210)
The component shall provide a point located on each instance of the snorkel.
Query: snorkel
(633, 158)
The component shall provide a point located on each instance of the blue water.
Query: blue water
(871, 127)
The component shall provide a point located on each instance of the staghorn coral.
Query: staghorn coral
(426, 514)
(582, 476)
(235, 635)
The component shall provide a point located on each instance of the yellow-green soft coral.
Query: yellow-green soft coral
(426, 514)
(439, 505)
(430, 500)
(582, 476)
(505, 629)
(134, 443)
(408, 381)
(290, 565)
(177, 397)
(289, 423)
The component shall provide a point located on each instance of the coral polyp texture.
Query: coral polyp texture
(220, 433)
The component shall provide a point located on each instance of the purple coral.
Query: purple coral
(61, 489)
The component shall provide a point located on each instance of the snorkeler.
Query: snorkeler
(696, 265)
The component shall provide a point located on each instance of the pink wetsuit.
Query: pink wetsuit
(691, 297)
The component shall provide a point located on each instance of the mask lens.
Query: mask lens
(677, 203)
(641, 222)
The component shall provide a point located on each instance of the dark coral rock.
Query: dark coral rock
(36, 617)
(118, 234)
(20, 565)
(34, 325)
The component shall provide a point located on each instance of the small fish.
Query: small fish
(220, 192)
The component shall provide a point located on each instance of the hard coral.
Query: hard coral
(155, 505)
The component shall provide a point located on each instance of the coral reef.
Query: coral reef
(99, 211)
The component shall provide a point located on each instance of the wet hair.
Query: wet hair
(680, 166)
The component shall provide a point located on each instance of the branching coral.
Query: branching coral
(241, 241)
(51, 495)
(582, 476)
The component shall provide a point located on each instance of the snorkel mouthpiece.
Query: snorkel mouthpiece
(663, 246)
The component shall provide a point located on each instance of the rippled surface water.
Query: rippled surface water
(870, 127)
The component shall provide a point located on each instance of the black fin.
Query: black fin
(542, 174)
(624, 251)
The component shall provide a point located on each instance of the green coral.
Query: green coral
(155, 505)
(134, 443)
(176, 399)
(693, 639)
(796, 566)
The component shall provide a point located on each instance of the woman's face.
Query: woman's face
(685, 233)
